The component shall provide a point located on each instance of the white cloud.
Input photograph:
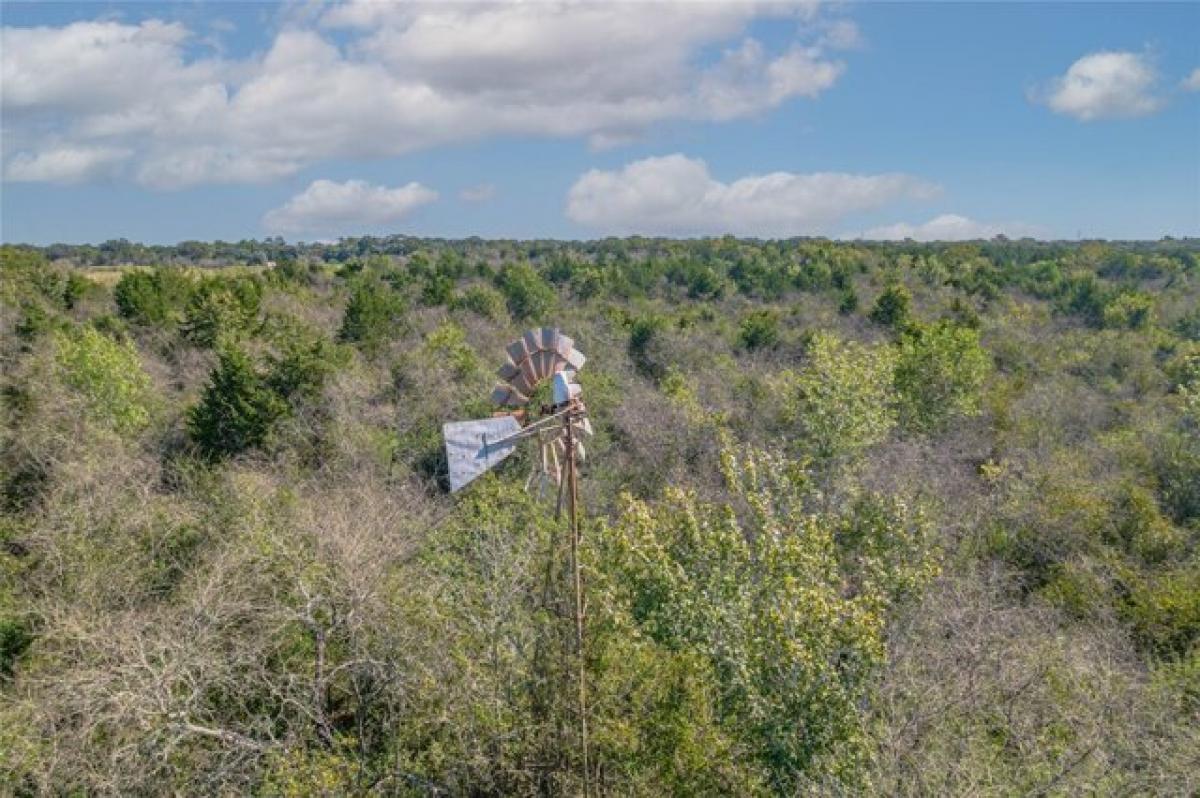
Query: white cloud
(841, 34)
(676, 195)
(480, 193)
(745, 81)
(369, 80)
(1192, 81)
(354, 206)
(65, 164)
(947, 227)
(95, 67)
(1104, 85)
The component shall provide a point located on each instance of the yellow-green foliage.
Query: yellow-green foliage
(841, 400)
(746, 605)
(222, 309)
(108, 375)
(940, 373)
(448, 345)
(481, 300)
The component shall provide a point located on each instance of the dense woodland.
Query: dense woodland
(859, 518)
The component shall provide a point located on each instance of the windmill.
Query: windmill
(539, 357)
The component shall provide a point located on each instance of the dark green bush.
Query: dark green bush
(15, 637)
(437, 289)
(155, 298)
(304, 363)
(892, 307)
(237, 409)
(529, 297)
(848, 303)
(642, 333)
(374, 313)
(759, 330)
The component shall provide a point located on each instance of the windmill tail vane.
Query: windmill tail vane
(537, 357)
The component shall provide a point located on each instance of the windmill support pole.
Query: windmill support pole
(573, 509)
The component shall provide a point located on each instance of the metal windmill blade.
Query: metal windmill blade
(537, 357)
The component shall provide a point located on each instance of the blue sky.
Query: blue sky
(225, 120)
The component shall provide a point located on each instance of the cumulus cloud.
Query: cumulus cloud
(480, 193)
(947, 227)
(1104, 85)
(65, 164)
(327, 207)
(1192, 81)
(676, 195)
(841, 34)
(366, 79)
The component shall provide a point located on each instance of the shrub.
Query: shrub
(237, 409)
(939, 375)
(482, 301)
(842, 400)
(1128, 311)
(759, 330)
(29, 277)
(1165, 611)
(222, 308)
(15, 631)
(848, 303)
(587, 283)
(153, 298)
(1177, 465)
(448, 344)
(306, 359)
(892, 307)
(702, 280)
(643, 332)
(36, 321)
(109, 376)
(749, 600)
(437, 289)
(1188, 325)
(372, 314)
(529, 297)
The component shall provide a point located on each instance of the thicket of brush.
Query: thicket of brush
(860, 519)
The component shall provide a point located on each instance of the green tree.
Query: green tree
(842, 399)
(222, 308)
(848, 303)
(153, 298)
(448, 345)
(109, 376)
(437, 289)
(304, 362)
(759, 330)
(373, 313)
(940, 375)
(1131, 310)
(237, 409)
(743, 609)
(529, 297)
(481, 300)
(644, 331)
(892, 307)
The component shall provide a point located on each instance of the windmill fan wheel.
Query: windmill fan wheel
(536, 357)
